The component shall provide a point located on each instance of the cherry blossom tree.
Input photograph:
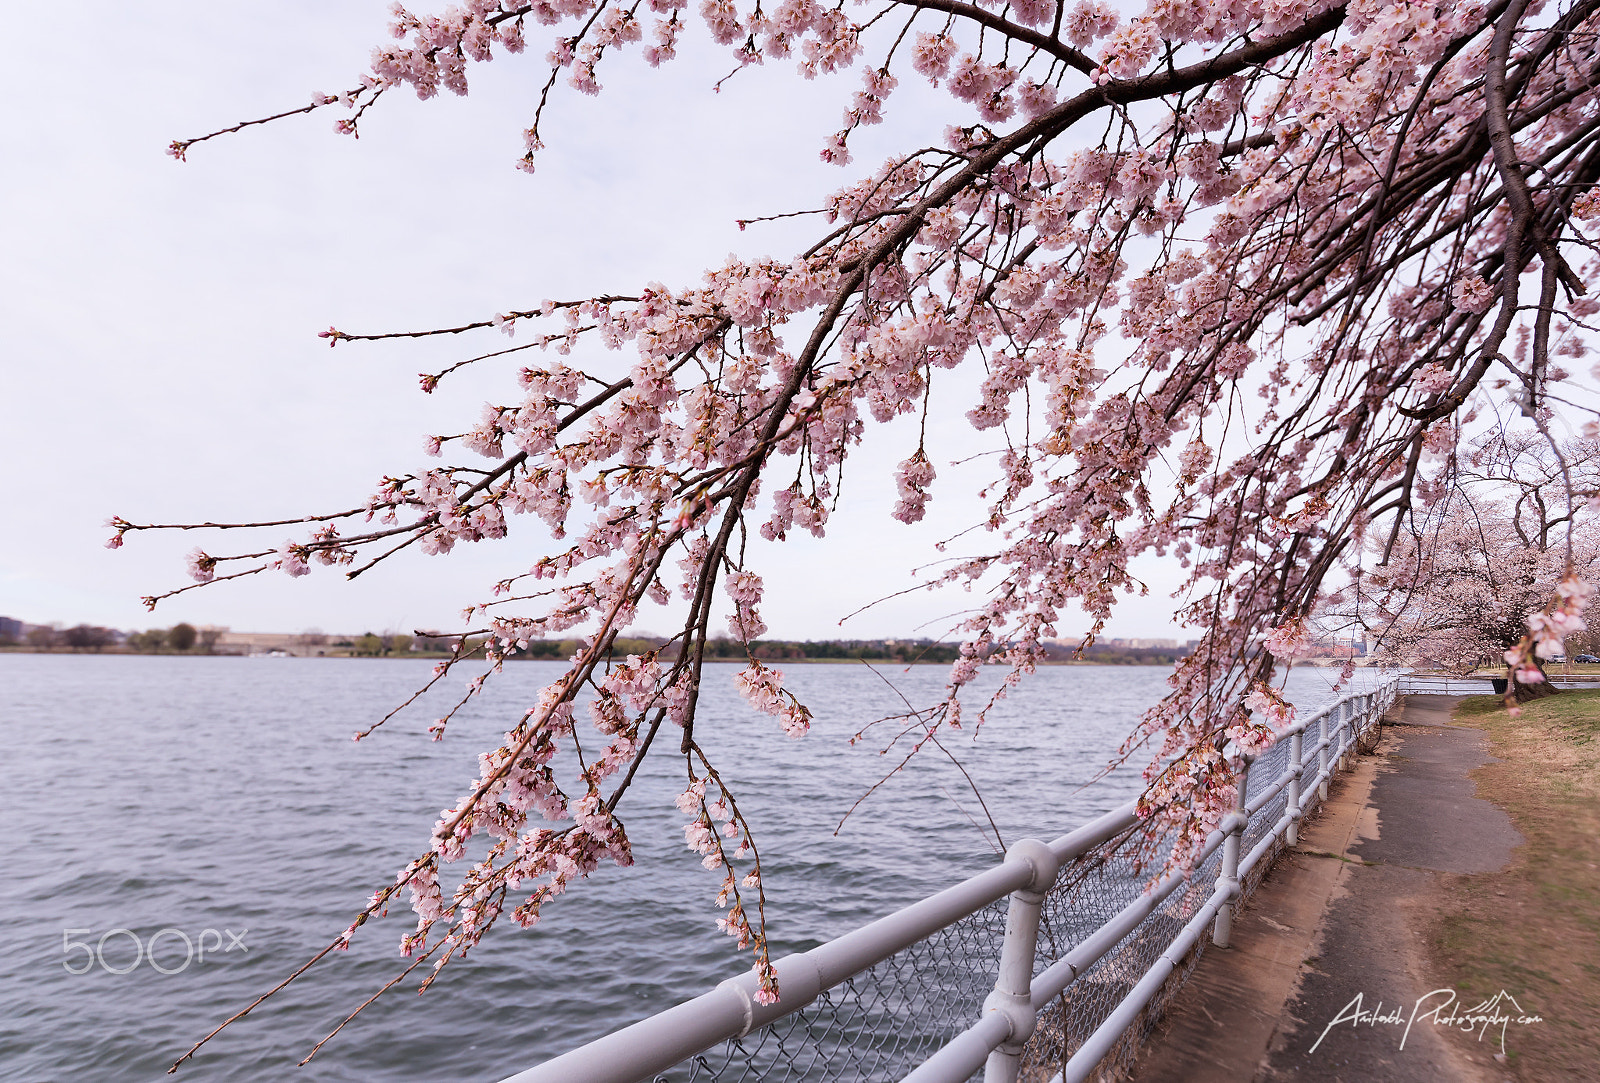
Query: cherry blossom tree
(1460, 586)
(1466, 572)
(1233, 274)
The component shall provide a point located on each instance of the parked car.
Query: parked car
(1585, 658)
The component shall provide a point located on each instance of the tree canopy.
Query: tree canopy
(1237, 277)
(1457, 586)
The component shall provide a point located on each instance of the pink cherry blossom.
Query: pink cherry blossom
(1472, 294)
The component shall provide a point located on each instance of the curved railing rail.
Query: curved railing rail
(1416, 684)
(1413, 685)
(1039, 968)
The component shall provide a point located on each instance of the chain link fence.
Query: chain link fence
(882, 1023)
(1088, 895)
(886, 1020)
(879, 1024)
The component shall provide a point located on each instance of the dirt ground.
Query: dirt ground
(1533, 928)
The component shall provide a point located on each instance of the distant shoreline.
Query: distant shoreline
(433, 656)
(189, 640)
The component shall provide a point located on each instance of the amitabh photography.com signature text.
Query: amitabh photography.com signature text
(1441, 1007)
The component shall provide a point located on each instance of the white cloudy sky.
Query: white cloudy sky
(161, 360)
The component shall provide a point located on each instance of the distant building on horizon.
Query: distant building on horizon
(296, 644)
(1128, 644)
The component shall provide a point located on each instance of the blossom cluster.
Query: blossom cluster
(1549, 628)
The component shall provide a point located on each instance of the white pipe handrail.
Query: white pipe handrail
(1028, 872)
(1450, 684)
(730, 1010)
(1098, 1045)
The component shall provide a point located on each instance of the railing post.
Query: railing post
(1228, 875)
(1347, 718)
(1296, 753)
(1322, 753)
(1013, 988)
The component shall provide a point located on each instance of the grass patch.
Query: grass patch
(1533, 928)
(1575, 712)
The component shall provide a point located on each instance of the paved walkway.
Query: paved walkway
(1338, 917)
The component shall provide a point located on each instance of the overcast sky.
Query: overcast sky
(161, 359)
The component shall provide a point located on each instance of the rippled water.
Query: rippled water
(193, 794)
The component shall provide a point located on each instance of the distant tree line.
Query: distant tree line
(1107, 655)
(864, 650)
(722, 647)
(377, 646)
(182, 638)
(82, 637)
(895, 651)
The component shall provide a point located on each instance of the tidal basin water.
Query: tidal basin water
(220, 802)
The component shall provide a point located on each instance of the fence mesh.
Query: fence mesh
(1093, 890)
(879, 1024)
(885, 1021)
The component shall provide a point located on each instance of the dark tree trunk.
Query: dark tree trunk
(1522, 692)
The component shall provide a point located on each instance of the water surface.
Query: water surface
(192, 794)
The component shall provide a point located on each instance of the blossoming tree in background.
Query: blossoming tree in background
(1508, 540)
(1234, 274)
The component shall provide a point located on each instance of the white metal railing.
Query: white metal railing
(1412, 684)
(874, 1003)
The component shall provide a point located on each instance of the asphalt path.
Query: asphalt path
(1328, 978)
